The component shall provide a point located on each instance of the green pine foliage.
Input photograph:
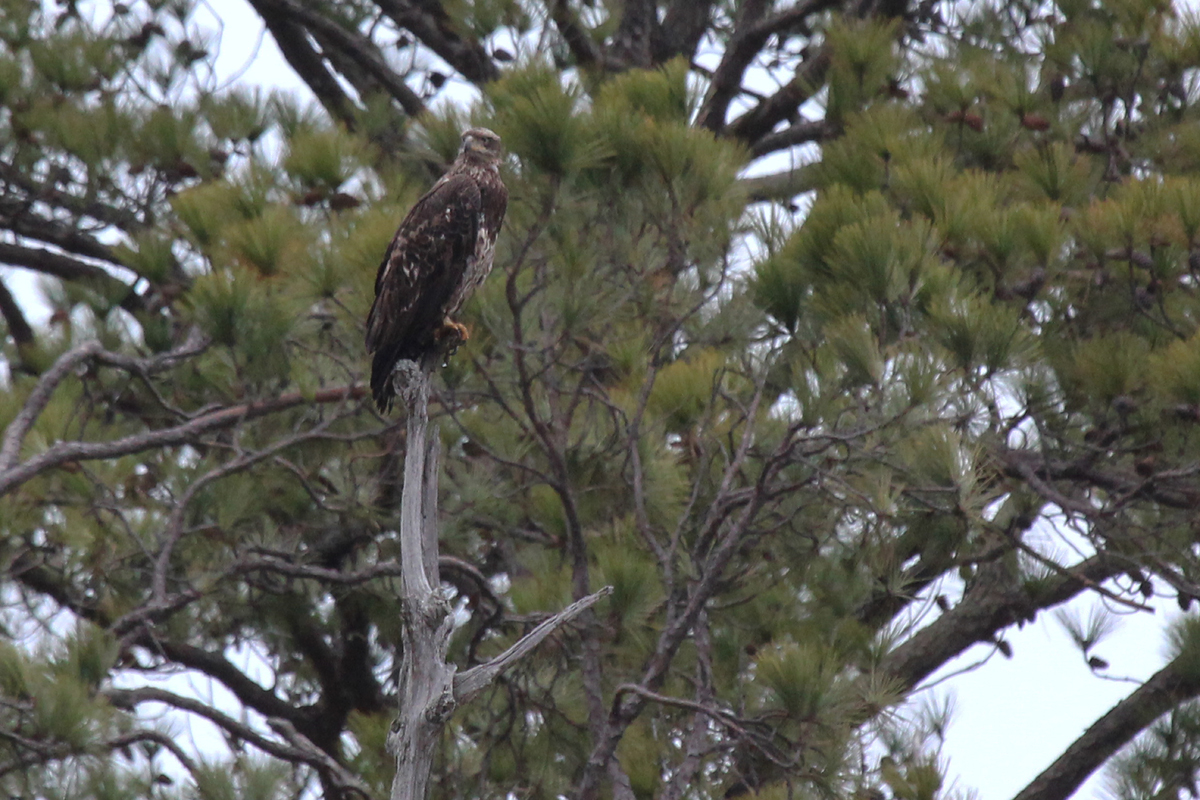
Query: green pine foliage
(802, 430)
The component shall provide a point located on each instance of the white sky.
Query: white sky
(1012, 717)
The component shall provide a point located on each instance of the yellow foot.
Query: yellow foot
(452, 330)
(450, 335)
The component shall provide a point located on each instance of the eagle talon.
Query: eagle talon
(452, 332)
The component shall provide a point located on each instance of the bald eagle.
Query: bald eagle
(442, 251)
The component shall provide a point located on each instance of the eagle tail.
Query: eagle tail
(382, 389)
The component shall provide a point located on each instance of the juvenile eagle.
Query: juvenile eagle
(441, 252)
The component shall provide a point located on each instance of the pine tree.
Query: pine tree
(822, 427)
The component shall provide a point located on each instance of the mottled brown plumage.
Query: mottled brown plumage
(442, 251)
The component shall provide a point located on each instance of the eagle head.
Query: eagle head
(481, 143)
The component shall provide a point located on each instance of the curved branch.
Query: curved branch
(186, 432)
(803, 132)
(429, 23)
(297, 749)
(587, 53)
(748, 40)
(354, 46)
(222, 670)
(762, 119)
(1167, 688)
(18, 327)
(306, 61)
(71, 269)
(18, 429)
(727, 78)
(985, 610)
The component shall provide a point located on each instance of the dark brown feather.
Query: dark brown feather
(441, 252)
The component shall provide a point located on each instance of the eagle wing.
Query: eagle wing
(426, 261)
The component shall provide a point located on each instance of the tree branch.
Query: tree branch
(122, 218)
(780, 187)
(18, 327)
(631, 44)
(985, 610)
(1166, 689)
(216, 666)
(802, 132)
(308, 64)
(430, 24)
(587, 53)
(15, 433)
(354, 46)
(679, 623)
(17, 216)
(683, 26)
(44, 752)
(35, 403)
(184, 433)
(426, 681)
(72, 269)
(762, 119)
(1171, 488)
(727, 78)
(298, 747)
(470, 683)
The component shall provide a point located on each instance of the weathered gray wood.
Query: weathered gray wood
(428, 690)
(429, 514)
(426, 680)
(476, 679)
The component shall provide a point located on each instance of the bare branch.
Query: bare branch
(1166, 689)
(298, 748)
(14, 434)
(14, 318)
(780, 187)
(354, 46)
(35, 403)
(587, 53)
(429, 22)
(342, 776)
(986, 610)
(470, 683)
(762, 119)
(697, 740)
(802, 132)
(184, 433)
(304, 58)
(727, 78)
